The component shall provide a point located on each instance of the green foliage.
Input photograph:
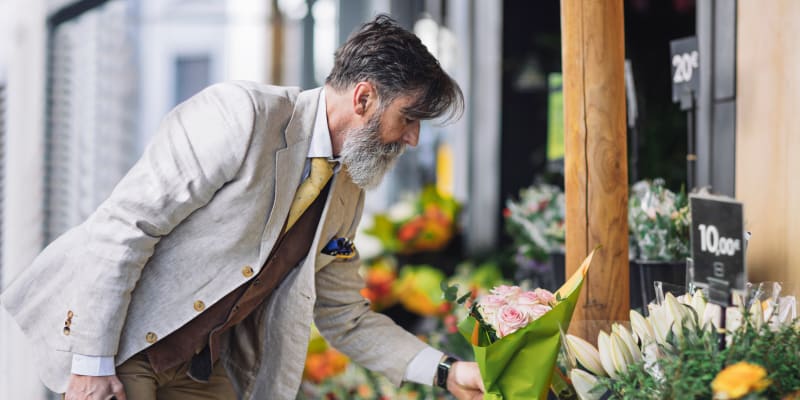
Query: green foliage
(691, 361)
(777, 351)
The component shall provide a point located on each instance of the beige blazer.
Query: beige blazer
(191, 221)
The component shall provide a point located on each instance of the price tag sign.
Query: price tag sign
(718, 246)
(685, 70)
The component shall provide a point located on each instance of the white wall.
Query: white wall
(22, 49)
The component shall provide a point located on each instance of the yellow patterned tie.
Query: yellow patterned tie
(320, 174)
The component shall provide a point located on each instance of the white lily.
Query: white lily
(787, 310)
(685, 298)
(661, 321)
(699, 303)
(641, 328)
(711, 316)
(733, 319)
(584, 382)
(586, 354)
(680, 313)
(629, 341)
(606, 354)
(622, 356)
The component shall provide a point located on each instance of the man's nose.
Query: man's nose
(411, 136)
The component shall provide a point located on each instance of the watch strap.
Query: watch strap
(443, 371)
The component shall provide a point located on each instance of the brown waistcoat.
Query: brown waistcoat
(200, 339)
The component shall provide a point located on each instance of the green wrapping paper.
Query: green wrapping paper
(520, 365)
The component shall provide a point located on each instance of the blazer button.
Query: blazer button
(70, 314)
(247, 271)
(151, 337)
(66, 331)
(199, 306)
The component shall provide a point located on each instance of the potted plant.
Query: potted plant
(659, 224)
(536, 224)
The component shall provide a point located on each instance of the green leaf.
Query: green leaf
(449, 293)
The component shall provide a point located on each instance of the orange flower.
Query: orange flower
(738, 380)
(411, 229)
(379, 280)
(321, 366)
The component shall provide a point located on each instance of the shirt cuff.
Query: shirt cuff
(93, 365)
(422, 368)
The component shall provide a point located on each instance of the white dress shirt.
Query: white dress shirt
(421, 369)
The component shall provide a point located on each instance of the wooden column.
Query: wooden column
(596, 168)
(767, 141)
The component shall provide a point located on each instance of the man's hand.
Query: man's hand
(464, 381)
(82, 387)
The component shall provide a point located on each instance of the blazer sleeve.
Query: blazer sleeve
(199, 146)
(343, 316)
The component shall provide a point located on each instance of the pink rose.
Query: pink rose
(489, 305)
(534, 311)
(509, 292)
(540, 296)
(509, 320)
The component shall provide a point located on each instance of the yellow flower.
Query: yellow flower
(738, 380)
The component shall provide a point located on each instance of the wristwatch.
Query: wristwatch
(443, 370)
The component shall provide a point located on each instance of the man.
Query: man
(199, 277)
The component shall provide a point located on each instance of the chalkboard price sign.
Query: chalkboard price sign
(685, 65)
(718, 246)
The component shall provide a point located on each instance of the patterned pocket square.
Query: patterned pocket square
(341, 248)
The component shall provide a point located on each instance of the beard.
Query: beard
(366, 158)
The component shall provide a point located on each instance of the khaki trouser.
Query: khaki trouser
(141, 383)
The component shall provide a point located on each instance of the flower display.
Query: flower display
(423, 223)
(536, 222)
(675, 352)
(322, 361)
(359, 383)
(380, 277)
(659, 222)
(418, 288)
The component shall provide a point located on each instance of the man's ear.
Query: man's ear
(364, 96)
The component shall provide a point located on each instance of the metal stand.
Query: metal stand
(691, 157)
(722, 330)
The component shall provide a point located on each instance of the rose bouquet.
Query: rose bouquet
(516, 336)
(509, 308)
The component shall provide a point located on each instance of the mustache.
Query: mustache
(392, 149)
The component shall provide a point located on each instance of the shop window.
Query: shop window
(192, 74)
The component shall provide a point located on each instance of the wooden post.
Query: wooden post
(596, 168)
(276, 60)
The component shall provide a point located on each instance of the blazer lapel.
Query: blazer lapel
(289, 163)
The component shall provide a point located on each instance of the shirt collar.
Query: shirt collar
(320, 134)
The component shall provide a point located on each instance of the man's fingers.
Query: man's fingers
(118, 389)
